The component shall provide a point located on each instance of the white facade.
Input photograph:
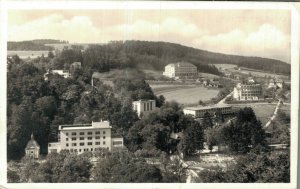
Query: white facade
(85, 137)
(199, 111)
(64, 73)
(143, 107)
(247, 92)
(181, 70)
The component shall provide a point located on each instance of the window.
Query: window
(81, 133)
(97, 137)
(91, 149)
(67, 139)
(90, 138)
(103, 137)
(103, 142)
(90, 143)
(73, 138)
(104, 132)
(67, 145)
(117, 142)
(81, 144)
(81, 138)
(97, 132)
(74, 144)
(90, 133)
(79, 150)
(73, 133)
(97, 143)
(67, 134)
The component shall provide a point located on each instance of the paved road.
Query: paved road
(274, 114)
(223, 100)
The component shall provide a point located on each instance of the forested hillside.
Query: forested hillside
(32, 45)
(155, 55)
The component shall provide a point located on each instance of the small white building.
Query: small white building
(144, 107)
(64, 73)
(32, 149)
(81, 138)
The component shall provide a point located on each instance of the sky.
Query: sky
(264, 33)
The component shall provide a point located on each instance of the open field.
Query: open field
(225, 66)
(285, 108)
(184, 94)
(26, 54)
(263, 112)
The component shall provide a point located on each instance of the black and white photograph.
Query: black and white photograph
(151, 95)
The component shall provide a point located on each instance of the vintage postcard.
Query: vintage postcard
(149, 94)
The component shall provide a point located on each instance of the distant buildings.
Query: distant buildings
(32, 149)
(199, 111)
(65, 73)
(143, 107)
(274, 83)
(81, 138)
(247, 92)
(181, 70)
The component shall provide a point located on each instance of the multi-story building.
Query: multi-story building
(199, 111)
(247, 92)
(85, 137)
(32, 149)
(144, 107)
(181, 70)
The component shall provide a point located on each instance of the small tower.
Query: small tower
(32, 149)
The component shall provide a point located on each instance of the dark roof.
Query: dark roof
(32, 143)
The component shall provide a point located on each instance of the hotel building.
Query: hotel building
(144, 107)
(199, 111)
(247, 92)
(85, 137)
(181, 70)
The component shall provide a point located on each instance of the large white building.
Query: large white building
(247, 92)
(144, 107)
(181, 70)
(85, 137)
(199, 111)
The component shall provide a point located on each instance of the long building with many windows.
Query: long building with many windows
(181, 70)
(199, 111)
(85, 137)
(247, 92)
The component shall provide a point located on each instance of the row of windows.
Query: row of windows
(83, 133)
(85, 150)
(89, 144)
(82, 138)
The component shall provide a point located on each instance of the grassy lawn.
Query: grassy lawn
(184, 94)
(263, 112)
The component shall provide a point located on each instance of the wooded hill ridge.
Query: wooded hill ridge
(156, 55)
